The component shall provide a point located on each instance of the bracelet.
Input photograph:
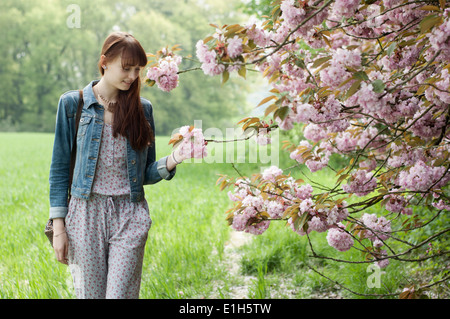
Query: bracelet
(59, 234)
(173, 157)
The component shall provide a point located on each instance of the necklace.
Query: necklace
(108, 102)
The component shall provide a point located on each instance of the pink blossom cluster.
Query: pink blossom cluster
(361, 183)
(401, 59)
(381, 257)
(335, 74)
(425, 126)
(339, 239)
(376, 228)
(321, 219)
(422, 177)
(441, 205)
(314, 132)
(247, 221)
(165, 74)
(368, 99)
(440, 94)
(291, 13)
(405, 155)
(320, 155)
(316, 112)
(193, 144)
(397, 204)
(440, 38)
(369, 93)
(257, 33)
(208, 58)
(250, 218)
(348, 141)
(263, 137)
(345, 8)
(234, 47)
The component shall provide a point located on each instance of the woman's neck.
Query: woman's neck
(107, 91)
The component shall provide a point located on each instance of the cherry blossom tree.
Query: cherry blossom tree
(365, 80)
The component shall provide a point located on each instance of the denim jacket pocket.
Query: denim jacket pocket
(84, 123)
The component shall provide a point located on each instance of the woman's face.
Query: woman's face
(120, 77)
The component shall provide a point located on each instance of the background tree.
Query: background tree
(44, 55)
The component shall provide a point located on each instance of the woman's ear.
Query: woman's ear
(103, 61)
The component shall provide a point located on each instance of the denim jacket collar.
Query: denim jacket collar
(88, 95)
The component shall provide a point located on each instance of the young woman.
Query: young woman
(101, 233)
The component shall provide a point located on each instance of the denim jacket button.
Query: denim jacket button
(133, 162)
(134, 180)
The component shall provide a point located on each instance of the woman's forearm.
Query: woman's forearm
(171, 164)
(58, 225)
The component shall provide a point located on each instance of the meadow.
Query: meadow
(191, 252)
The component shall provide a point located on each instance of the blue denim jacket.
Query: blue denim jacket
(142, 167)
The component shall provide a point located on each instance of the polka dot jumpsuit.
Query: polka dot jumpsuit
(108, 232)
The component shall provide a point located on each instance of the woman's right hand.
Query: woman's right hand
(60, 241)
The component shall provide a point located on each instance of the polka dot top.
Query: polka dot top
(111, 176)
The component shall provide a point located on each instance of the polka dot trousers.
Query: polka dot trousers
(107, 236)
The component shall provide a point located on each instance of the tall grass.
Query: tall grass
(185, 252)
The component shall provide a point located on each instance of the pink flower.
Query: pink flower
(263, 137)
(316, 224)
(241, 220)
(333, 76)
(441, 205)
(339, 239)
(166, 73)
(271, 173)
(258, 228)
(377, 227)
(397, 204)
(193, 144)
(345, 8)
(304, 191)
(368, 99)
(208, 59)
(361, 183)
(383, 263)
(234, 47)
(314, 132)
(290, 13)
(440, 39)
(421, 177)
(275, 209)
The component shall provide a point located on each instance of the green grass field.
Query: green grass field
(186, 253)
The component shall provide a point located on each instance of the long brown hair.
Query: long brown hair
(129, 118)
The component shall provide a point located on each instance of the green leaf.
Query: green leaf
(225, 76)
(270, 109)
(242, 71)
(320, 61)
(428, 22)
(391, 48)
(282, 112)
(378, 86)
(361, 75)
(352, 90)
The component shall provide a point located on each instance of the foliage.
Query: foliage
(45, 53)
(367, 81)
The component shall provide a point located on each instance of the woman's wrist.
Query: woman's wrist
(174, 159)
(58, 225)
